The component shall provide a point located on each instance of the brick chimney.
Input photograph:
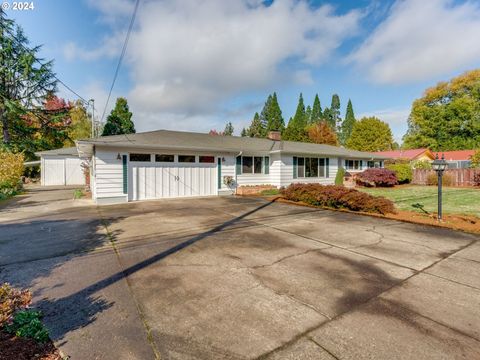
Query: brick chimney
(274, 135)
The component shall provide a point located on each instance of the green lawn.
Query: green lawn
(455, 200)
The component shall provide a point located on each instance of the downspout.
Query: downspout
(236, 174)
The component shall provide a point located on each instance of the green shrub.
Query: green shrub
(11, 300)
(270, 192)
(27, 324)
(475, 159)
(403, 172)
(11, 169)
(338, 197)
(78, 193)
(422, 164)
(447, 179)
(340, 175)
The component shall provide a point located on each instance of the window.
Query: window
(207, 159)
(310, 167)
(374, 164)
(140, 157)
(301, 167)
(186, 158)
(247, 164)
(257, 165)
(353, 164)
(164, 158)
(321, 168)
(252, 165)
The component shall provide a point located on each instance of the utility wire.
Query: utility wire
(42, 64)
(124, 49)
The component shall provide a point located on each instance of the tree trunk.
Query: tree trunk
(6, 133)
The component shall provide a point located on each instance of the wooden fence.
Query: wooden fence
(461, 177)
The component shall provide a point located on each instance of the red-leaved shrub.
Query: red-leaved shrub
(338, 197)
(377, 177)
(11, 300)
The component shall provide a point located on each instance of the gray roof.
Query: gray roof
(72, 151)
(166, 139)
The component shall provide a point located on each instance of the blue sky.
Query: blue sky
(194, 65)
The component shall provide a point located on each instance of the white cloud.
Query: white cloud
(396, 118)
(420, 40)
(187, 57)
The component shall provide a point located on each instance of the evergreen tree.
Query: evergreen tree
(347, 124)
(334, 113)
(316, 110)
(295, 130)
(228, 129)
(24, 83)
(275, 120)
(244, 132)
(308, 114)
(256, 128)
(120, 120)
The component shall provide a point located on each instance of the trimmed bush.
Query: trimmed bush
(403, 172)
(28, 324)
(376, 177)
(422, 164)
(447, 179)
(11, 169)
(340, 176)
(338, 197)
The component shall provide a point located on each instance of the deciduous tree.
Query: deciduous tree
(322, 133)
(370, 134)
(447, 116)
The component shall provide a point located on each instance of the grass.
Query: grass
(460, 201)
(78, 194)
(270, 192)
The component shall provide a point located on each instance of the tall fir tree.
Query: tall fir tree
(316, 110)
(296, 129)
(308, 114)
(347, 124)
(256, 128)
(275, 120)
(243, 133)
(334, 113)
(120, 120)
(228, 129)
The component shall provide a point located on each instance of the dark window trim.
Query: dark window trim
(140, 154)
(188, 162)
(158, 155)
(206, 156)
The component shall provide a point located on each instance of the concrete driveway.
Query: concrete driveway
(240, 278)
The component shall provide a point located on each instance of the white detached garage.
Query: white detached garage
(61, 167)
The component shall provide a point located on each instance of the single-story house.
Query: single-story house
(61, 167)
(169, 164)
(458, 159)
(409, 155)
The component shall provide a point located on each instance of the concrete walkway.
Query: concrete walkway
(240, 278)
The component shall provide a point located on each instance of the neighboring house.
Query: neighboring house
(61, 167)
(410, 155)
(458, 159)
(169, 164)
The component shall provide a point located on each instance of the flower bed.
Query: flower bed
(338, 197)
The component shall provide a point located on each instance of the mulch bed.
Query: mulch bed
(470, 224)
(16, 348)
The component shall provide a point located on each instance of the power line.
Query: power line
(124, 49)
(42, 64)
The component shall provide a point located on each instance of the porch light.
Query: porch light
(119, 157)
(439, 165)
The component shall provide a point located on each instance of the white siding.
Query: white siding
(108, 174)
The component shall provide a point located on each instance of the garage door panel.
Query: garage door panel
(176, 180)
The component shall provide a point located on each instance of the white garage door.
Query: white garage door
(60, 170)
(154, 181)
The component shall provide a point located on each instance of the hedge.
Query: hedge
(403, 172)
(338, 197)
(11, 170)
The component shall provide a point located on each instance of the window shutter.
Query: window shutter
(295, 162)
(125, 174)
(219, 172)
(239, 165)
(327, 167)
(267, 164)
